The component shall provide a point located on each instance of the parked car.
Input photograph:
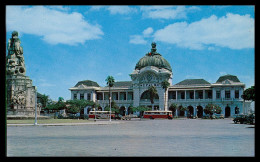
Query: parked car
(244, 119)
(240, 119)
(251, 118)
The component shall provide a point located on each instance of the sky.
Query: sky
(66, 44)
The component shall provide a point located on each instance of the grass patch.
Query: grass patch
(47, 121)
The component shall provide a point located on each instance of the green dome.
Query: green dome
(153, 59)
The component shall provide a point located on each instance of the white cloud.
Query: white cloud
(115, 9)
(54, 26)
(120, 9)
(147, 32)
(233, 31)
(166, 12)
(137, 39)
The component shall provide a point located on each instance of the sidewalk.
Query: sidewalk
(70, 124)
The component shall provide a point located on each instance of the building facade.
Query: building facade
(152, 70)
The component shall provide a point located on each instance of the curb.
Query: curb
(67, 124)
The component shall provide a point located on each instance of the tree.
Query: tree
(114, 107)
(165, 84)
(140, 109)
(153, 92)
(110, 82)
(44, 100)
(56, 106)
(76, 106)
(173, 108)
(211, 109)
(249, 94)
(182, 108)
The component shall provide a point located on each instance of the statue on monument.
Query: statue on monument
(20, 91)
(15, 59)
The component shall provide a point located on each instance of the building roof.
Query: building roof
(193, 82)
(229, 77)
(153, 59)
(88, 83)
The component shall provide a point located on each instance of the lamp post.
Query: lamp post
(35, 121)
(110, 107)
(95, 114)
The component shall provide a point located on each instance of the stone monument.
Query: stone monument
(19, 89)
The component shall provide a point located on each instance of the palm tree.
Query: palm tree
(153, 92)
(110, 82)
(165, 84)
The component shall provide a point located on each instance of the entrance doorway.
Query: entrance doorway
(199, 111)
(122, 111)
(227, 112)
(190, 111)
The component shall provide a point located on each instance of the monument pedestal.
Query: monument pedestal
(20, 96)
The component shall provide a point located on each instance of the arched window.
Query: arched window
(146, 95)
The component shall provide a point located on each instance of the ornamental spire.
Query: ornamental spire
(153, 50)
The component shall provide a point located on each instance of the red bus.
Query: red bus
(158, 114)
(101, 114)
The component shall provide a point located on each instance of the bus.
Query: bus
(157, 114)
(101, 114)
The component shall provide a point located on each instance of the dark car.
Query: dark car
(251, 118)
(242, 119)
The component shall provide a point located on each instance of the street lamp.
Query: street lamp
(110, 107)
(95, 113)
(35, 121)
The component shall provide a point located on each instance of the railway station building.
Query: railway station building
(151, 70)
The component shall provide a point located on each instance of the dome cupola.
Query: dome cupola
(153, 59)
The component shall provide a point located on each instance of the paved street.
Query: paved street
(178, 137)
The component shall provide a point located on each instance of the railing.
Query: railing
(191, 100)
(205, 100)
(117, 101)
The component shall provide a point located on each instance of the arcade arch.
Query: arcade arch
(227, 112)
(199, 111)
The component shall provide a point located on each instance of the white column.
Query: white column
(94, 96)
(194, 97)
(136, 97)
(72, 95)
(240, 92)
(85, 96)
(176, 95)
(126, 95)
(204, 94)
(166, 101)
(78, 95)
(195, 111)
(222, 92)
(91, 96)
(232, 93)
(103, 94)
(214, 94)
(185, 95)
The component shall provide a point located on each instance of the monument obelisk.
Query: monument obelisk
(20, 93)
